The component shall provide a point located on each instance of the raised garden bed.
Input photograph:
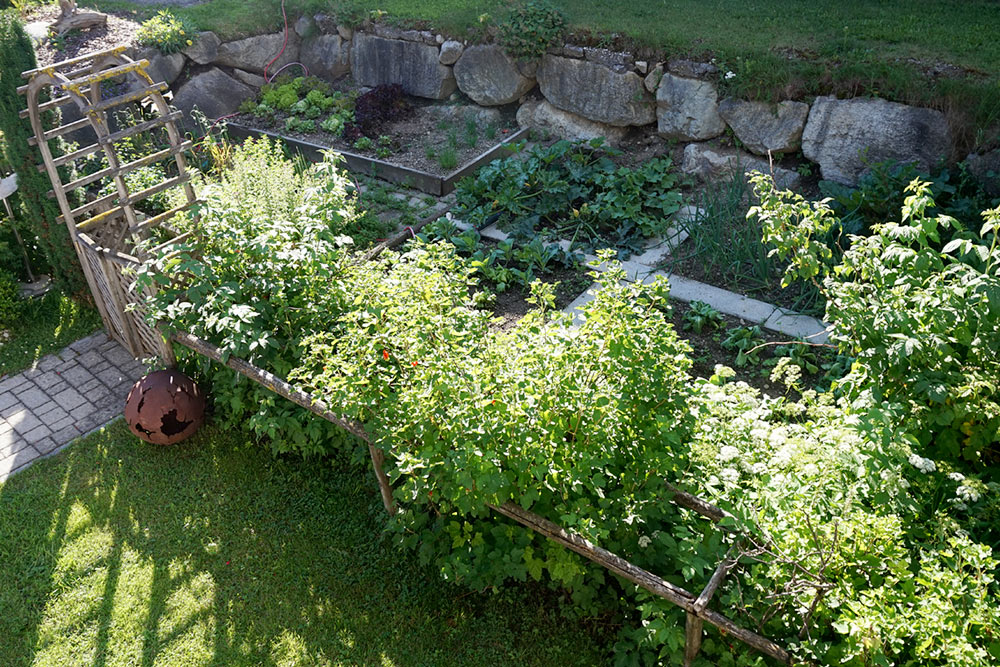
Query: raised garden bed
(381, 132)
(432, 184)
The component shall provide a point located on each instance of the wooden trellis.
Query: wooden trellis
(106, 229)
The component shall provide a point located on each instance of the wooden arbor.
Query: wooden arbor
(106, 229)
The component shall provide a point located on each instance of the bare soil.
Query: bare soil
(707, 351)
(119, 30)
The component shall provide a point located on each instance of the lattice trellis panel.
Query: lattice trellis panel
(106, 228)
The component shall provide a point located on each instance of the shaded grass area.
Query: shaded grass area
(47, 325)
(776, 49)
(213, 552)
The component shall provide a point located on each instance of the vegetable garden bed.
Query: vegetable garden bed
(382, 131)
(432, 184)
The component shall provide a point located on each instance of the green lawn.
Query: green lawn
(47, 325)
(776, 48)
(213, 552)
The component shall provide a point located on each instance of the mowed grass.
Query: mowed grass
(777, 49)
(47, 325)
(213, 552)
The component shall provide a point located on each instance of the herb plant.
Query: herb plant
(744, 341)
(166, 32)
(700, 316)
(530, 28)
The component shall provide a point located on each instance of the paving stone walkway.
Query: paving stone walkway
(62, 397)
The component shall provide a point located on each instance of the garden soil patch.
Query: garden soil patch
(707, 351)
(119, 30)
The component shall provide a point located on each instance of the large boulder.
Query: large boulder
(595, 92)
(687, 109)
(490, 77)
(376, 61)
(845, 136)
(326, 56)
(715, 163)
(565, 125)
(205, 48)
(255, 53)
(214, 92)
(766, 127)
(165, 68)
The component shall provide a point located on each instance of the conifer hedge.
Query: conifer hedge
(34, 213)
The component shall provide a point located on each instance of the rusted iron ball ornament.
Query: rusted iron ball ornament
(164, 407)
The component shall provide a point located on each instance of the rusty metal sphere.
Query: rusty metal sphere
(164, 407)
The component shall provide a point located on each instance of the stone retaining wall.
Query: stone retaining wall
(581, 92)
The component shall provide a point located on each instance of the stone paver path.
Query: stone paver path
(62, 397)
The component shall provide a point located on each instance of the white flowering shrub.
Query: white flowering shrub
(836, 563)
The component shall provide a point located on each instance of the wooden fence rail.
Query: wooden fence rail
(695, 606)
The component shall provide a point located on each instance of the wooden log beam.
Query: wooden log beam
(696, 504)
(693, 629)
(640, 577)
(407, 233)
(73, 19)
(297, 396)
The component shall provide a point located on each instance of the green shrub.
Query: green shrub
(270, 239)
(166, 32)
(530, 28)
(10, 300)
(921, 320)
(701, 315)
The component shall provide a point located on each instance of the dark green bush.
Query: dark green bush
(881, 190)
(35, 214)
(10, 300)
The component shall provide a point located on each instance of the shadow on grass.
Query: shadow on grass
(212, 552)
(47, 325)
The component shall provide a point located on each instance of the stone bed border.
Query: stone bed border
(643, 269)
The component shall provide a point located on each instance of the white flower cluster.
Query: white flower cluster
(645, 541)
(923, 465)
(730, 476)
(728, 453)
(967, 494)
(730, 74)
